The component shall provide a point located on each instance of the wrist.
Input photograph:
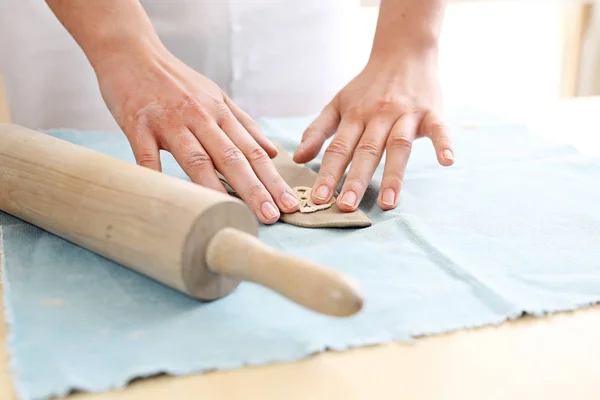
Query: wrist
(408, 29)
(406, 43)
(405, 52)
(120, 48)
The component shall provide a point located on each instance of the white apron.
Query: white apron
(273, 57)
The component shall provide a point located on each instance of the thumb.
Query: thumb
(322, 128)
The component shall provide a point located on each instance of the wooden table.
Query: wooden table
(546, 358)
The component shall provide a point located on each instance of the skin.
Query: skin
(393, 101)
(161, 103)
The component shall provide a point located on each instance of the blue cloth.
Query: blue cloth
(513, 227)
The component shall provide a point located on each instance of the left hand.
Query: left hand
(385, 108)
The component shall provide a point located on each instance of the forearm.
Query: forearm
(107, 29)
(408, 26)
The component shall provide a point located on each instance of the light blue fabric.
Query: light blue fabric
(513, 227)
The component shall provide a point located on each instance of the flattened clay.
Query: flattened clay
(306, 203)
(312, 216)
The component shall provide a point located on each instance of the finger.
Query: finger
(193, 159)
(234, 166)
(434, 128)
(261, 164)
(336, 159)
(252, 128)
(145, 150)
(398, 147)
(317, 133)
(367, 156)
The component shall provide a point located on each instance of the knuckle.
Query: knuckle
(198, 160)
(441, 141)
(221, 110)
(438, 126)
(254, 191)
(278, 182)
(354, 114)
(258, 155)
(392, 180)
(202, 116)
(193, 107)
(356, 182)
(146, 159)
(327, 177)
(384, 103)
(139, 119)
(390, 104)
(369, 148)
(401, 142)
(148, 116)
(338, 148)
(190, 102)
(231, 157)
(199, 114)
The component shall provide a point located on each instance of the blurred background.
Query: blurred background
(505, 56)
(508, 56)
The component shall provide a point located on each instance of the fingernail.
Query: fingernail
(349, 199)
(288, 200)
(322, 192)
(447, 154)
(269, 211)
(389, 197)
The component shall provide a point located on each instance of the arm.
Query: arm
(393, 101)
(406, 26)
(161, 103)
(108, 29)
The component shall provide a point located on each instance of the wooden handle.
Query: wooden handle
(239, 255)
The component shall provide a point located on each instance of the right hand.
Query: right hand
(161, 103)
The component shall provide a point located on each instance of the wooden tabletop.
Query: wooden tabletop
(547, 358)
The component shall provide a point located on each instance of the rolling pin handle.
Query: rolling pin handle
(238, 255)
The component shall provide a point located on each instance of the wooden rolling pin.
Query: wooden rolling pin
(190, 238)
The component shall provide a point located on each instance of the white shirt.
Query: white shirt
(272, 57)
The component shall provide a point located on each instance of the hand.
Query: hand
(160, 103)
(384, 109)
